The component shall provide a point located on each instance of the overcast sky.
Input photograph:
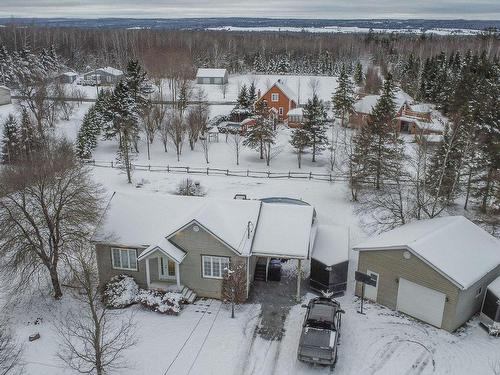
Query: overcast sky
(436, 9)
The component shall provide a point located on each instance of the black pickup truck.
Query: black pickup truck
(320, 332)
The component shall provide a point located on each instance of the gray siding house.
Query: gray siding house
(67, 77)
(435, 270)
(170, 242)
(206, 76)
(104, 76)
(5, 96)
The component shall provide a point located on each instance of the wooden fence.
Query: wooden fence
(292, 175)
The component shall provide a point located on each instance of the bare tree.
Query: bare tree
(10, 352)
(314, 85)
(197, 118)
(91, 339)
(176, 130)
(149, 124)
(236, 141)
(47, 208)
(223, 89)
(164, 124)
(205, 144)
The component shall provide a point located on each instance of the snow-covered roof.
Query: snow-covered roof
(142, 219)
(210, 73)
(495, 287)
(284, 230)
(112, 71)
(432, 138)
(368, 102)
(286, 90)
(453, 245)
(166, 247)
(69, 74)
(421, 107)
(214, 130)
(331, 244)
(299, 111)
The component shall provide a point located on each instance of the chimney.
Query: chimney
(259, 94)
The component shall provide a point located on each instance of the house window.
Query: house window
(124, 259)
(214, 267)
(275, 97)
(280, 111)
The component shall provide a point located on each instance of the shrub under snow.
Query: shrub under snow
(121, 291)
(162, 302)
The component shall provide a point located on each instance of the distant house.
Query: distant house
(281, 98)
(5, 95)
(435, 270)
(170, 242)
(296, 118)
(364, 106)
(420, 119)
(67, 77)
(104, 76)
(206, 76)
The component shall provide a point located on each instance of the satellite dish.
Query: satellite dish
(407, 255)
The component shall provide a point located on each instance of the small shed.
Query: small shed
(67, 77)
(296, 117)
(5, 95)
(330, 259)
(490, 310)
(206, 76)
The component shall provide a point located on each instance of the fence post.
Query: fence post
(310, 175)
(168, 168)
(207, 170)
(330, 177)
(289, 174)
(187, 170)
(247, 172)
(268, 174)
(149, 167)
(227, 172)
(111, 163)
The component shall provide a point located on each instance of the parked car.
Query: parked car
(320, 332)
(274, 271)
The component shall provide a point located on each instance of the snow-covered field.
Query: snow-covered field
(203, 339)
(302, 86)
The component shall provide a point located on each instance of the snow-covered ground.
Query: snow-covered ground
(204, 339)
(302, 86)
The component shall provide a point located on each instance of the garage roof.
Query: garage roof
(210, 73)
(453, 245)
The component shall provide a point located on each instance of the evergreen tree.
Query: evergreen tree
(125, 123)
(315, 125)
(10, 142)
(358, 74)
(28, 135)
(262, 133)
(379, 141)
(300, 141)
(252, 95)
(343, 98)
(243, 102)
(86, 140)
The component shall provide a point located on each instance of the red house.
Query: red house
(281, 98)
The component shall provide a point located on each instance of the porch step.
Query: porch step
(260, 272)
(188, 295)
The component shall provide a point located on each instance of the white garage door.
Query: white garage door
(420, 302)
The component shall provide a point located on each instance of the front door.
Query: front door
(372, 291)
(167, 268)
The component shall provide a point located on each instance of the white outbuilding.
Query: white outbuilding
(5, 95)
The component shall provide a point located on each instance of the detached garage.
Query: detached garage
(434, 270)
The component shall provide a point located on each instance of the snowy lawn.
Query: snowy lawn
(203, 339)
